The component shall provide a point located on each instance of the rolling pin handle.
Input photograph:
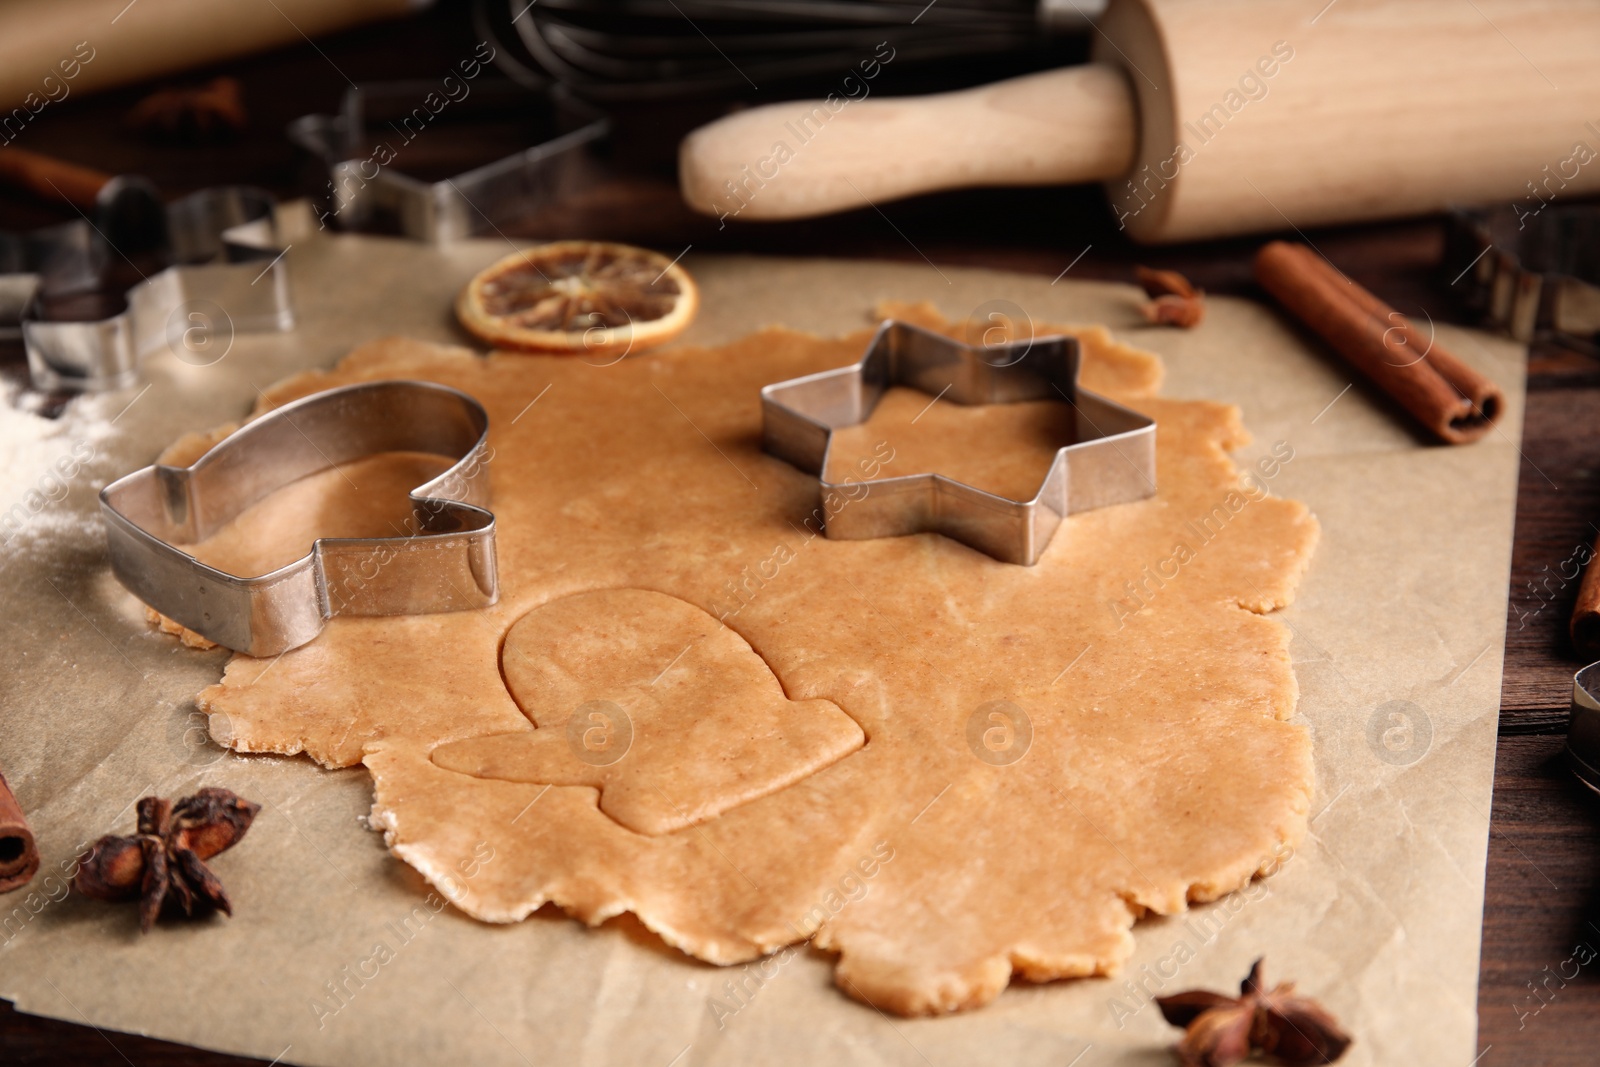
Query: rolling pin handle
(813, 157)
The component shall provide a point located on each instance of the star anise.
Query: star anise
(1173, 301)
(1221, 1030)
(193, 114)
(164, 863)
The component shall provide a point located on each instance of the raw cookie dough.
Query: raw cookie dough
(1005, 449)
(1049, 752)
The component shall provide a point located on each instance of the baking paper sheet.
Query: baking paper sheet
(1399, 630)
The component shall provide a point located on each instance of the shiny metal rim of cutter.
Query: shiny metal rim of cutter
(1583, 733)
(468, 204)
(218, 239)
(1529, 272)
(1111, 462)
(444, 562)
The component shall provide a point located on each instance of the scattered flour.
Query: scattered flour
(50, 469)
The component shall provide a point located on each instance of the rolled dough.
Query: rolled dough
(945, 769)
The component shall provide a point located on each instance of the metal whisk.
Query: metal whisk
(620, 50)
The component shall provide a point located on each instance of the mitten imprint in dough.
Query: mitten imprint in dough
(668, 747)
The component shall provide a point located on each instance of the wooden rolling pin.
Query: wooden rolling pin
(1209, 118)
(51, 50)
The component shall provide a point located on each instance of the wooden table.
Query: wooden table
(1543, 893)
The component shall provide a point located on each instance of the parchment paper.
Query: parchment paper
(1399, 626)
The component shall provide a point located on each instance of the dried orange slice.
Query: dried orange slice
(580, 297)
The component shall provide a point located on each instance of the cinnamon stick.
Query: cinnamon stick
(19, 856)
(1449, 398)
(50, 178)
(1585, 625)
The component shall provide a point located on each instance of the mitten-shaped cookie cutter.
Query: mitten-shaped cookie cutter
(444, 561)
(1112, 459)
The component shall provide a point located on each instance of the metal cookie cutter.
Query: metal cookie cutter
(217, 240)
(365, 150)
(1112, 459)
(1530, 272)
(1583, 734)
(445, 562)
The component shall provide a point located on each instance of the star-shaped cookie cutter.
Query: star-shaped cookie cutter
(443, 561)
(1112, 459)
